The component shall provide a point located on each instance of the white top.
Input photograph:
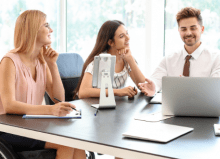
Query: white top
(119, 78)
(203, 63)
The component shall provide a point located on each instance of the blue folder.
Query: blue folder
(73, 115)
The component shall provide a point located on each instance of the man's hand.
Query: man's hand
(147, 88)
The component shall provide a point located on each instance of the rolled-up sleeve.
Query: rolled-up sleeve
(159, 72)
(216, 67)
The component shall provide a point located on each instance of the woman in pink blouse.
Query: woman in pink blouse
(26, 72)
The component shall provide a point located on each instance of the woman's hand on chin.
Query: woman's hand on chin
(50, 55)
(125, 54)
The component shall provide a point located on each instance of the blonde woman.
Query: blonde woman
(26, 72)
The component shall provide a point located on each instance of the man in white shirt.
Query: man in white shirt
(193, 60)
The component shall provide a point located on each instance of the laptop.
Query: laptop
(191, 96)
(158, 132)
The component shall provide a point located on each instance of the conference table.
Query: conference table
(103, 133)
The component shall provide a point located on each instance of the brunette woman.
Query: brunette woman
(113, 38)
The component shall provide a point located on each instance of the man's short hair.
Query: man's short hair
(189, 12)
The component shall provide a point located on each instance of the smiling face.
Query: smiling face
(121, 38)
(190, 31)
(44, 34)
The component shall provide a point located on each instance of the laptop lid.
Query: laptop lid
(158, 132)
(191, 96)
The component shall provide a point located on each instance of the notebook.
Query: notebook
(191, 96)
(158, 132)
(73, 115)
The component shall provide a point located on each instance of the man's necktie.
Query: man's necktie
(186, 66)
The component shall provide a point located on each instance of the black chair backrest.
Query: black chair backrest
(70, 85)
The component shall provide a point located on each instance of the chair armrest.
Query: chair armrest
(6, 151)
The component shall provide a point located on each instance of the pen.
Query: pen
(61, 101)
(96, 112)
(132, 97)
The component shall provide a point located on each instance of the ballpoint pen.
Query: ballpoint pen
(132, 97)
(61, 101)
(96, 112)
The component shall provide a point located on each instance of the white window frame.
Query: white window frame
(154, 33)
(63, 26)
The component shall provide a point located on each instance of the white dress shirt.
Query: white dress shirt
(203, 63)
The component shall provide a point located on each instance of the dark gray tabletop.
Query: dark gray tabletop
(107, 127)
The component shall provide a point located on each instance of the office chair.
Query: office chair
(70, 68)
(7, 152)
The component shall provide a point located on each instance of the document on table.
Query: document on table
(217, 129)
(158, 132)
(157, 99)
(73, 115)
(153, 117)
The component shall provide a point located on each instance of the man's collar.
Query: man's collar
(195, 54)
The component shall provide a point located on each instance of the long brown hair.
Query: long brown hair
(26, 29)
(106, 32)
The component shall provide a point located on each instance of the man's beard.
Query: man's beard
(189, 43)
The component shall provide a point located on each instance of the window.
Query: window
(211, 20)
(11, 9)
(85, 17)
(76, 23)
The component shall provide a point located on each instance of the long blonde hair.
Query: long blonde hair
(26, 29)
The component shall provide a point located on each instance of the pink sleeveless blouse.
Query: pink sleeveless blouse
(26, 89)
